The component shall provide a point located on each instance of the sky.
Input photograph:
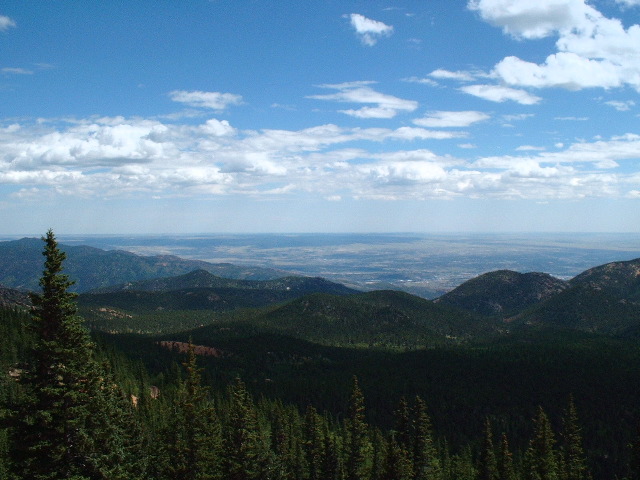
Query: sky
(319, 116)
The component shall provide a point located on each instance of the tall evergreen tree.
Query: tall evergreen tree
(55, 431)
(506, 470)
(488, 467)
(357, 443)
(540, 461)
(426, 463)
(313, 444)
(574, 464)
(245, 457)
(289, 461)
(332, 468)
(194, 445)
(403, 427)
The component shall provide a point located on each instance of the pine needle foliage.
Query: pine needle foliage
(59, 428)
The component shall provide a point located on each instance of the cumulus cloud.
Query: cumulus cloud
(369, 31)
(115, 156)
(218, 128)
(212, 100)
(6, 23)
(592, 50)
(564, 69)
(499, 93)
(530, 20)
(443, 119)
(385, 106)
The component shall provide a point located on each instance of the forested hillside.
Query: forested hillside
(91, 268)
(320, 387)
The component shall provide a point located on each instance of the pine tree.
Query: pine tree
(488, 467)
(540, 458)
(426, 463)
(574, 465)
(332, 468)
(403, 424)
(194, 446)
(397, 465)
(289, 460)
(378, 453)
(462, 467)
(313, 444)
(245, 457)
(357, 444)
(55, 432)
(506, 470)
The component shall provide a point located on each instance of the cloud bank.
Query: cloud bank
(121, 157)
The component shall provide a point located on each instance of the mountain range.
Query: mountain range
(91, 268)
(129, 288)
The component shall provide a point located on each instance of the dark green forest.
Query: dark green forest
(277, 393)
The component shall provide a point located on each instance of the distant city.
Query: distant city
(423, 264)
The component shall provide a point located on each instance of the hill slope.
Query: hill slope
(91, 268)
(294, 285)
(603, 299)
(381, 318)
(503, 293)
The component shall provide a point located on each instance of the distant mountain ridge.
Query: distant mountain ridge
(602, 299)
(503, 292)
(297, 285)
(201, 290)
(91, 268)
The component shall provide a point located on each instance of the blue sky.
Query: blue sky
(319, 116)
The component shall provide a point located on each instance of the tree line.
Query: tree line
(66, 414)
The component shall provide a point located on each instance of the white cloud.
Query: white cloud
(565, 70)
(498, 93)
(530, 20)
(621, 106)
(572, 119)
(629, 3)
(517, 117)
(218, 128)
(424, 81)
(371, 112)
(369, 31)
(443, 119)
(6, 23)
(449, 75)
(386, 106)
(16, 71)
(116, 156)
(411, 133)
(592, 50)
(213, 100)
(527, 148)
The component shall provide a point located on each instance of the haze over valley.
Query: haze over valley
(424, 264)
